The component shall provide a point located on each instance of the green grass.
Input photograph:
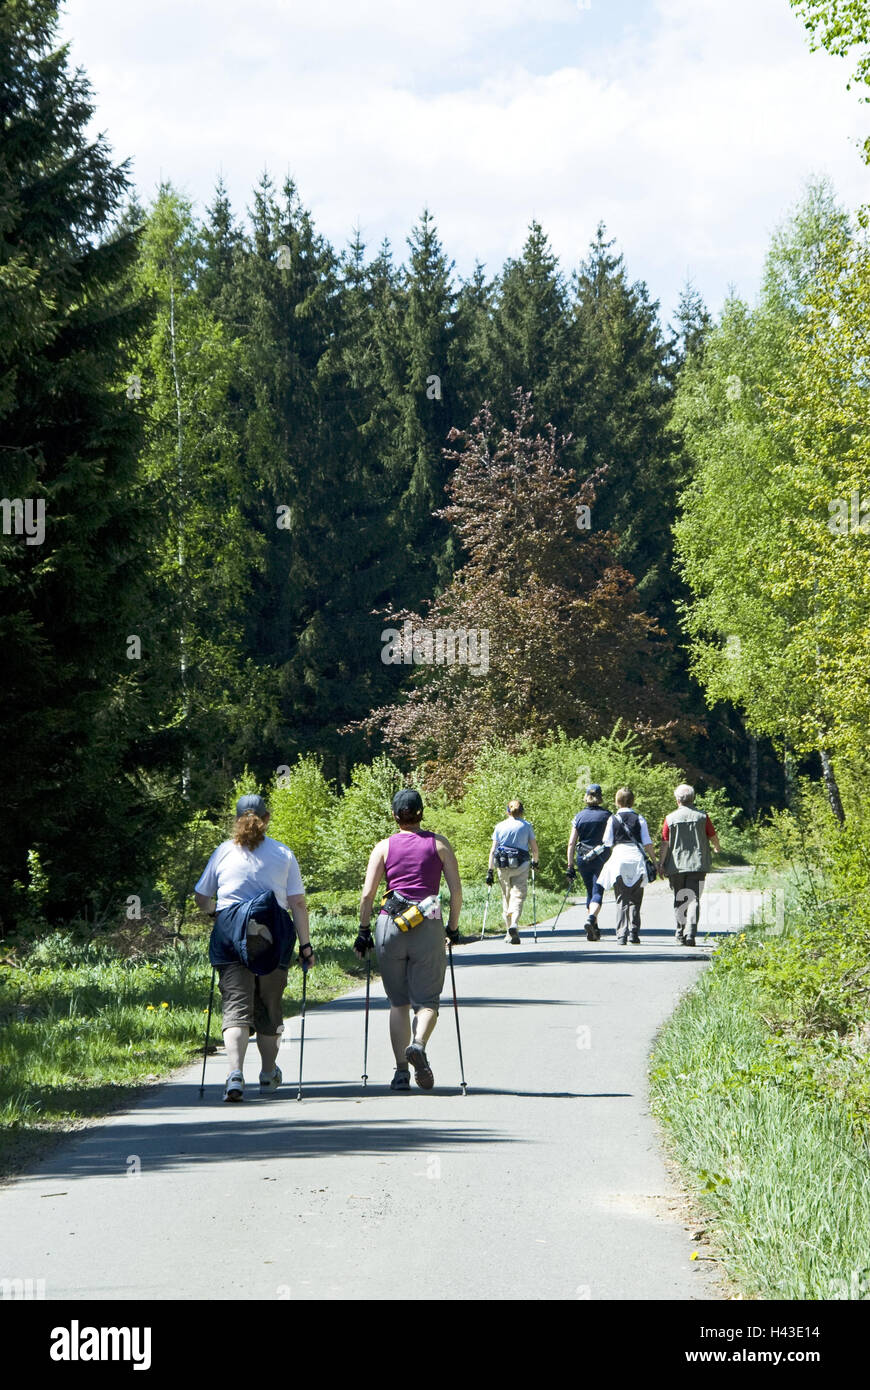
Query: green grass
(774, 1150)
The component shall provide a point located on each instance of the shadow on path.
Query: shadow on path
(292, 1132)
(603, 953)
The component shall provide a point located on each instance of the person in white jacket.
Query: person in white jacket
(625, 871)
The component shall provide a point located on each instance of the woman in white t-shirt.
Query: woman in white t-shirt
(249, 885)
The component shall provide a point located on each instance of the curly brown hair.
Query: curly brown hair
(250, 830)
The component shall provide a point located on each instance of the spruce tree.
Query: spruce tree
(621, 386)
(70, 602)
(314, 493)
(529, 346)
(694, 323)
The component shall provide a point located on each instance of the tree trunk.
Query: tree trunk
(179, 463)
(831, 786)
(788, 778)
(752, 806)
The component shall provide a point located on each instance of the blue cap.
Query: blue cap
(593, 790)
(252, 803)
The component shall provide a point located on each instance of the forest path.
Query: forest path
(547, 1181)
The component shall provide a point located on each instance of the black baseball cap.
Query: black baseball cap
(407, 804)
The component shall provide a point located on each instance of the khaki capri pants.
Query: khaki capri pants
(514, 884)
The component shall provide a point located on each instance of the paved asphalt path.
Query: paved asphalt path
(546, 1181)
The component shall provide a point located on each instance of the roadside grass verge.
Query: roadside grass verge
(762, 1081)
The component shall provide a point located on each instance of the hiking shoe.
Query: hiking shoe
(401, 1081)
(417, 1057)
(688, 941)
(235, 1087)
(513, 936)
(622, 938)
(270, 1081)
(591, 928)
(635, 938)
(678, 937)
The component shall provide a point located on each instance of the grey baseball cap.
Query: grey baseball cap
(252, 803)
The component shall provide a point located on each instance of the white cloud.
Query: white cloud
(689, 136)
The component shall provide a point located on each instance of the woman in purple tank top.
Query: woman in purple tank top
(412, 961)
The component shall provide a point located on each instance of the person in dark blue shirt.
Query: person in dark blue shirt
(587, 836)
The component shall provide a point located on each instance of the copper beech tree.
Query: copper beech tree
(539, 628)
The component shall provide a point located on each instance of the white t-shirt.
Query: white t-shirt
(234, 874)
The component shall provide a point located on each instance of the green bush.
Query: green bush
(302, 803)
(362, 816)
(183, 861)
(333, 834)
(551, 781)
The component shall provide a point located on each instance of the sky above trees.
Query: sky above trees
(686, 125)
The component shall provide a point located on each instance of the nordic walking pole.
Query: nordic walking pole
(456, 1009)
(485, 911)
(365, 1075)
(559, 913)
(534, 908)
(302, 1032)
(202, 1086)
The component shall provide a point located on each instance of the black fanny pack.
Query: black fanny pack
(404, 912)
(510, 858)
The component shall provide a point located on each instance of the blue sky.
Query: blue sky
(688, 126)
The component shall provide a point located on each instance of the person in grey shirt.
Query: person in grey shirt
(688, 835)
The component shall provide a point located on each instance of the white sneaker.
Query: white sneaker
(235, 1087)
(270, 1081)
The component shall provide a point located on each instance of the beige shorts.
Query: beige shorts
(252, 1001)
